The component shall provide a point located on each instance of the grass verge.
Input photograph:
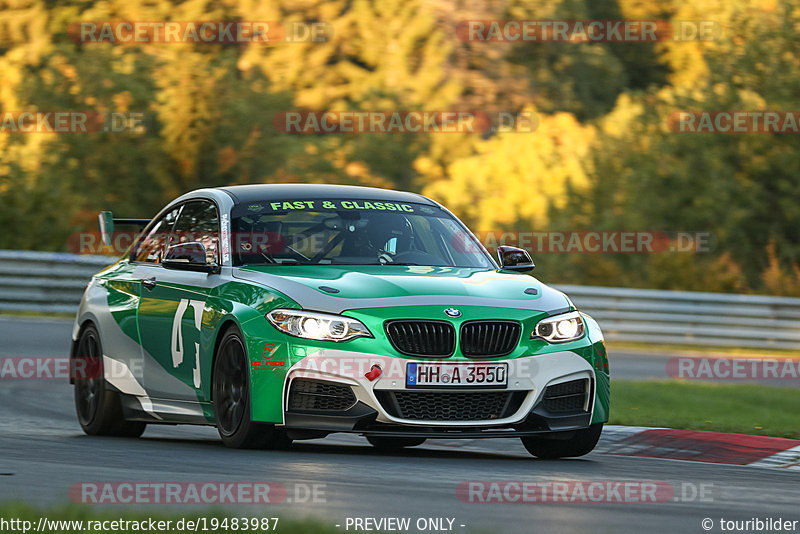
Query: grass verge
(742, 409)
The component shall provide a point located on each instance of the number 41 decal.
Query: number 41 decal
(176, 345)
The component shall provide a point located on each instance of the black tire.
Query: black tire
(393, 444)
(97, 405)
(582, 443)
(231, 399)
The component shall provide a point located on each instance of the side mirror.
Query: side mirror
(189, 257)
(514, 259)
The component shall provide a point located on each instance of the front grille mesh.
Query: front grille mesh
(566, 397)
(319, 396)
(435, 339)
(451, 406)
(486, 339)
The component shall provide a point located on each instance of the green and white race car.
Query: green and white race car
(291, 311)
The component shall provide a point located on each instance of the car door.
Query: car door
(171, 309)
(144, 265)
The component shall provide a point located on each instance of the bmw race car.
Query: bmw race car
(291, 311)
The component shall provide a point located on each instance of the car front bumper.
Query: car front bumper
(528, 410)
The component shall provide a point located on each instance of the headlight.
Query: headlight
(319, 326)
(560, 328)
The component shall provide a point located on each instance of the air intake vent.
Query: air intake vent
(432, 339)
(566, 397)
(487, 339)
(451, 406)
(308, 395)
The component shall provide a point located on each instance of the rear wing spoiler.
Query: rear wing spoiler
(107, 223)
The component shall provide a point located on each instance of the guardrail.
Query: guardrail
(45, 281)
(690, 317)
(54, 282)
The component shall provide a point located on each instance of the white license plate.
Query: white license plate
(440, 374)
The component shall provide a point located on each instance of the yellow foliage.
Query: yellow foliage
(513, 178)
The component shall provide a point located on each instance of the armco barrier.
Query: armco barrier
(45, 281)
(691, 318)
(54, 282)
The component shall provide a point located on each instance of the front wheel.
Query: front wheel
(393, 444)
(98, 406)
(231, 398)
(582, 443)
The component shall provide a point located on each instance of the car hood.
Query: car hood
(336, 288)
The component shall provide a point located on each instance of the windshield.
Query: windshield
(351, 232)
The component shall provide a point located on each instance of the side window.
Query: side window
(151, 249)
(198, 222)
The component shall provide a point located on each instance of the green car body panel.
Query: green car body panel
(164, 338)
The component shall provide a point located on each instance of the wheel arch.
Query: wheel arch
(80, 328)
(227, 323)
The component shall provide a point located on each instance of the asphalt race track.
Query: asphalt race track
(44, 452)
